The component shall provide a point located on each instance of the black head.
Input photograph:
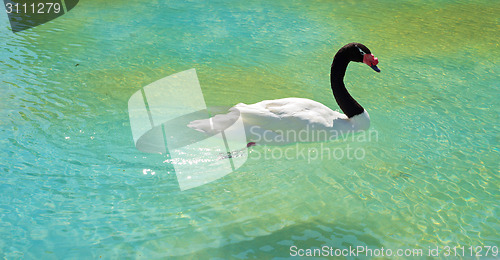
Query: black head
(356, 51)
(360, 53)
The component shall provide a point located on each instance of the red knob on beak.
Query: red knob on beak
(371, 61)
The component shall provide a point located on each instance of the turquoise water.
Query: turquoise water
(73, 184)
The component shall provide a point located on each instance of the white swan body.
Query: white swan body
(286, 120)
(298, 113)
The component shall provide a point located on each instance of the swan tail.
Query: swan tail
(215, 124)
(202, 125)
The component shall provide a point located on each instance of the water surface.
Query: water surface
(73, 185)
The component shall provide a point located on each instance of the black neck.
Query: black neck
(346, 102)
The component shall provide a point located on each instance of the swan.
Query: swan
(290, 120)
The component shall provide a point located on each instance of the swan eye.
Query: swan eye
(360, 50)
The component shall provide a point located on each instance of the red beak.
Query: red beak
(371, 61)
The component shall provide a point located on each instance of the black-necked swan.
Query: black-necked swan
(288, 120)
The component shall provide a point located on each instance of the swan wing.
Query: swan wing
(288, 113)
